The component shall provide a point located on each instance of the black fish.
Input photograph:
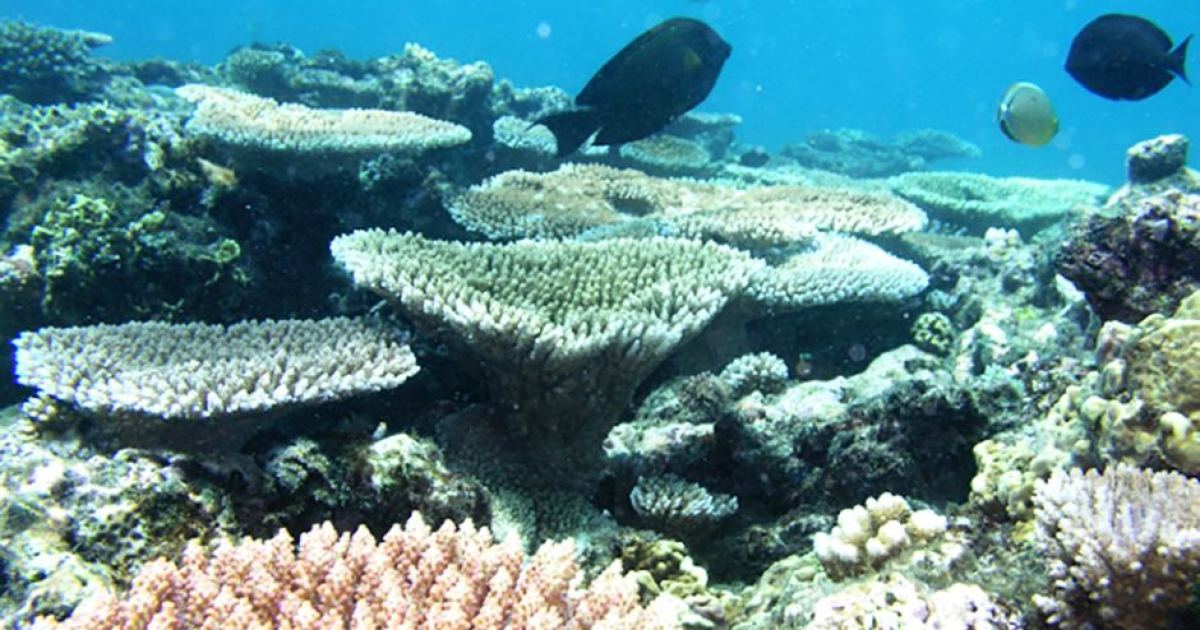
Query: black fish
(1125, 57)
(663, 73)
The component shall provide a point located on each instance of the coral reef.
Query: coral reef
(576, 198)
(977, 202)
(46, 65)
(1141, 255)
(858, 154)
(692, 357)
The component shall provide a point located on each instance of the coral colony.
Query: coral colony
(307, 341)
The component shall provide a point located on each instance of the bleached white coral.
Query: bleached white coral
(868, 535)
(194, 371)
(252, 122)
(836, 269)
(761, 371)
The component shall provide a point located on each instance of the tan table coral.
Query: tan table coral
(576, 198)
(563, 332)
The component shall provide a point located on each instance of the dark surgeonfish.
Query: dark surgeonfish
(660, 75)
(1125, 57)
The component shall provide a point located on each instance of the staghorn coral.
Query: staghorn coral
(1122, 547)
(414, 577)
(977, 201)
(835, 269)
(199, 371)
(678, 507)
(576, 198)
(249, 122)
(564, 332)
(47, 65)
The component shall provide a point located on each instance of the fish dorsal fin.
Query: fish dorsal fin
(1177, 58)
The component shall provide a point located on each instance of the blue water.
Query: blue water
(880, 65)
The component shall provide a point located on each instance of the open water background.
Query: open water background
(883, 66)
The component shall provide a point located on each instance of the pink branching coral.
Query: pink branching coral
(455, 577)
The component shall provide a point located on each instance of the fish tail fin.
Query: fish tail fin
(1178, 58)
(570, 128)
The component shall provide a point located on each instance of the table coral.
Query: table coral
(196, 371)
(576, 198)
(562, 331)
(247, 122)
(977, 201)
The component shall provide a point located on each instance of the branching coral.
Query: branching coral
(564, 331)
(250, 122)
(835, 269)
(679, 507)
(1122, 547)
(454, 577)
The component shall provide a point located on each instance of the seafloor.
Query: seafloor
(829, 387)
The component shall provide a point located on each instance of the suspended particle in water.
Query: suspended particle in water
(543, 30)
